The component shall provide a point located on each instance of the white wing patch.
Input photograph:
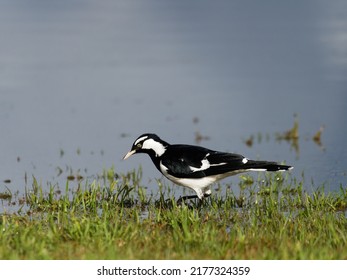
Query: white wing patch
(205, 164)
(218, 164)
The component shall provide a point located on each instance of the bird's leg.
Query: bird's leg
(184, 198)
(201, 201)
(206, 195)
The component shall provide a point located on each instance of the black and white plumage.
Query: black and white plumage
(196, 167)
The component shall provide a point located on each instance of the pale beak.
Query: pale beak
(129, 154)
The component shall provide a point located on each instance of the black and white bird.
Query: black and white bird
(196, 167)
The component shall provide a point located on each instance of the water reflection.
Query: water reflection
(290, 136)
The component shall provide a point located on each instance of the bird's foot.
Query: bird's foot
(183, 199)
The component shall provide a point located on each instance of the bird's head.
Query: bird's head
(148, 143)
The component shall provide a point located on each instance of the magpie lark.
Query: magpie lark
(196, 167)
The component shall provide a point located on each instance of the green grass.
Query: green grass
(114, 218)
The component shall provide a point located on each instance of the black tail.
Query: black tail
(266, 166)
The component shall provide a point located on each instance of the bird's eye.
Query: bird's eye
(139, 145)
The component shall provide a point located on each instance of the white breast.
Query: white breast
(199, 185)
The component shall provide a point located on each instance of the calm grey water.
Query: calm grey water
(80, 80)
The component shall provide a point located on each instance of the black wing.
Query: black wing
(185, 161)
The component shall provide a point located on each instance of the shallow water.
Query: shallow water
(80, 80)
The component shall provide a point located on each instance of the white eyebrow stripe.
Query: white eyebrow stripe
(140, 139)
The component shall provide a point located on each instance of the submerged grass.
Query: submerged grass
(113, 218)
